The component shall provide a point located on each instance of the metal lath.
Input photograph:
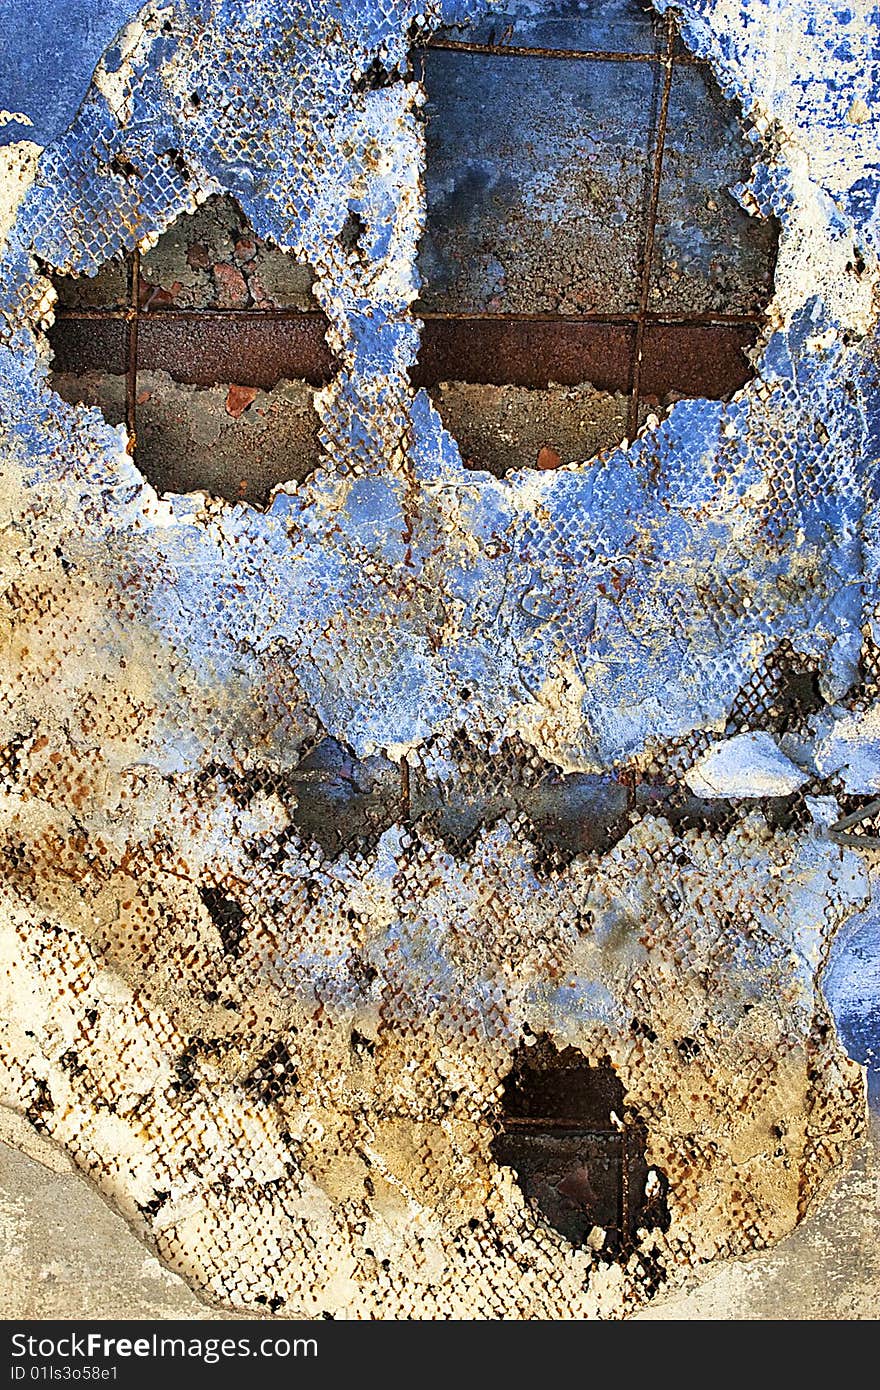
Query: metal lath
(642, 351)
(286, 987)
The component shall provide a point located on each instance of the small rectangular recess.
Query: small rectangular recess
(576, 1179)
(251, 348)
(525, 352)
(566, 1098)
(89, 344)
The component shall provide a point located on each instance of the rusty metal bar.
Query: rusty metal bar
(507, 50)
(131, 349)
(89, 346)
(201, 350)
(525, 353)
(624, 1188)
(648, 257)
(543, 1123)
(707, 317)
(405, 803)
(700, 361)
(691, 358)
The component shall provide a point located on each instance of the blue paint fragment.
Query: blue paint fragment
(51, 48)
(851, 985)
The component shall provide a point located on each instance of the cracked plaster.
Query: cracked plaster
(595, 614)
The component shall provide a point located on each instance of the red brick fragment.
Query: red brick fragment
(197, 257)
(238, 399)
(548, 458)
(156, 296)
(232, 291)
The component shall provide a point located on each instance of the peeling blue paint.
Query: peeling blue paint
(594, 612)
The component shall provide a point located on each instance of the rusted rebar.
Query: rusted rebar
(648, 255)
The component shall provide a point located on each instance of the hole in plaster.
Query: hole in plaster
(274, 1075)
(352, 231)
(227, 916)
(229, 347)
(780, 696)
(455, 790)
(376, 76)
(330, 798)
(122, 165)
(578, 1156)
(550, 262)
(562, 814)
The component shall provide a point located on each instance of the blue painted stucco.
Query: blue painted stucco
(48, 54)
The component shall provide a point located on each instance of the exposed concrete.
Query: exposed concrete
(709, 255)
(537, 195)
(208, 259)
(504, 427)
(193, 438)
(212, 259)
(108, 289)
(65, 1254)
(106, 390)
(189, 438)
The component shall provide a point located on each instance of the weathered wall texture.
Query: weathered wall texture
(280, 1051)
(66, 1254)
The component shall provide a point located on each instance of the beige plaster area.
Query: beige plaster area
(65, 1254)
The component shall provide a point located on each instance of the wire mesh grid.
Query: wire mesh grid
(244, 337)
